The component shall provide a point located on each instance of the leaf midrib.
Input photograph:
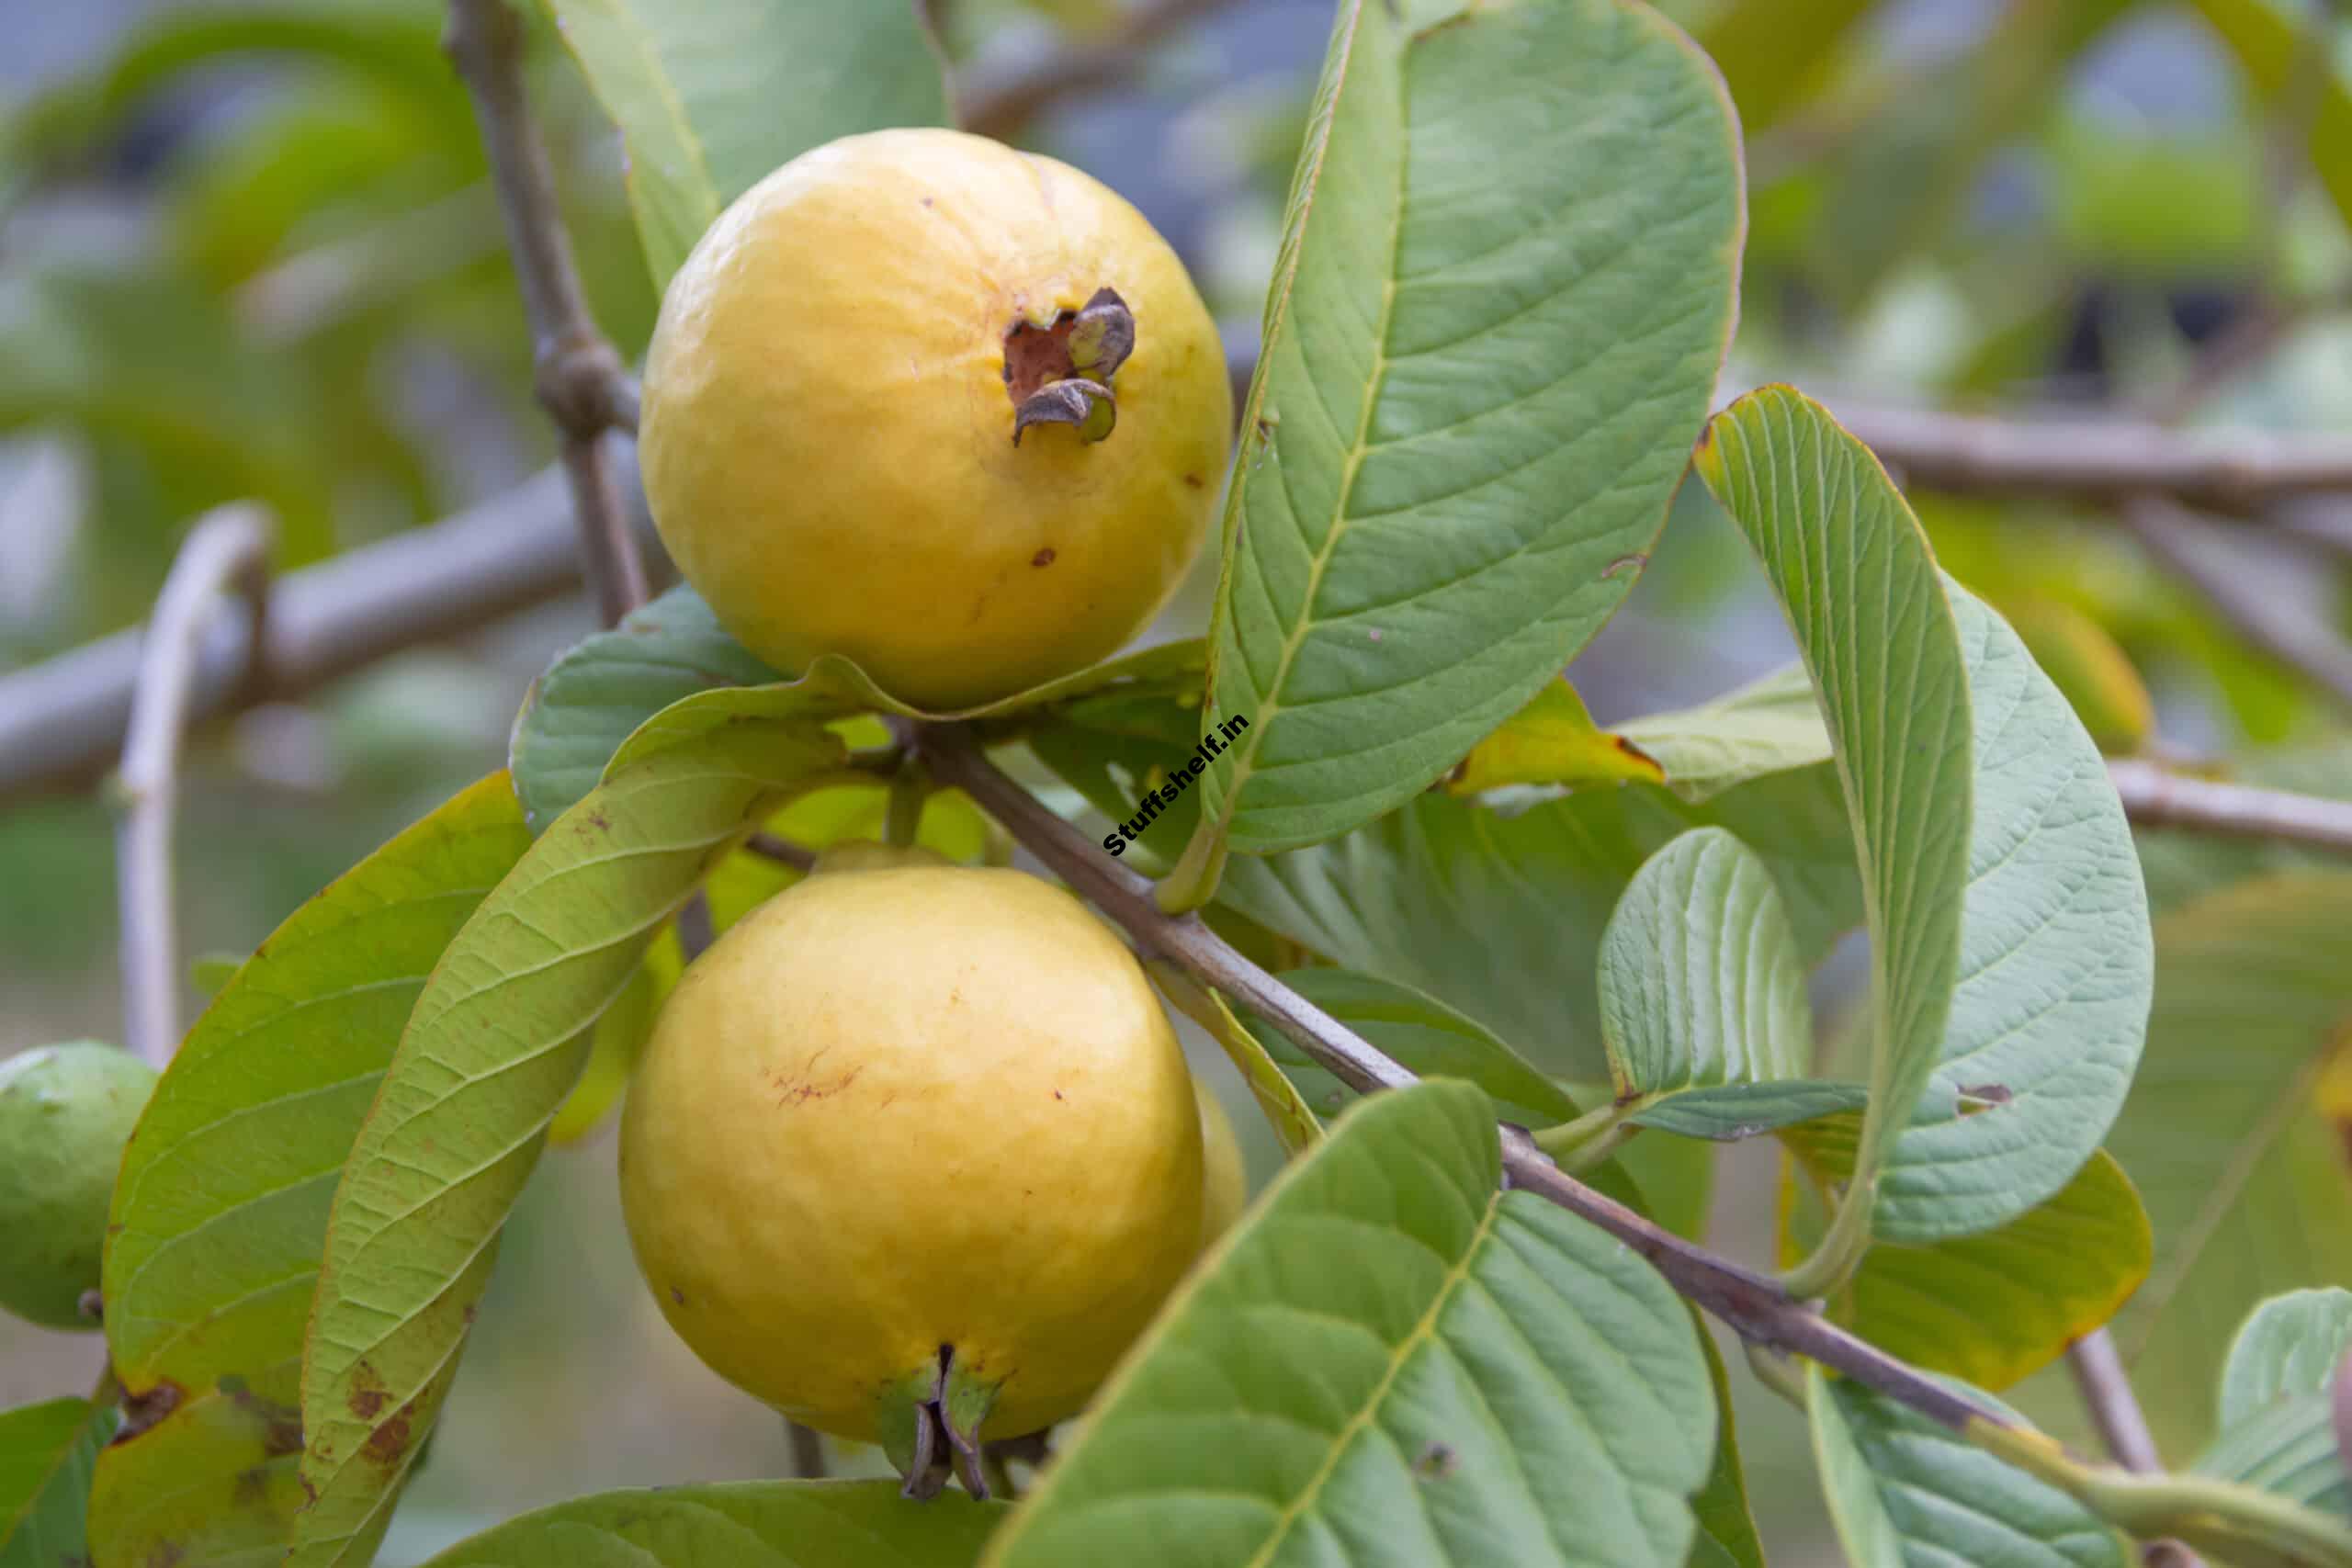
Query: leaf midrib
(1270, 704)
(1422, 1331)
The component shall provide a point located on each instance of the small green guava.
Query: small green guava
(65, 1113)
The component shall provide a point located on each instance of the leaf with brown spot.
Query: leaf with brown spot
(491, 1049)
(219, 1218)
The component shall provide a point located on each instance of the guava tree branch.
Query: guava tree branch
(1000, 106)
(226, 552)
(63, 721)
(581, 380)
(2303, 643)
(2156, 796)
(2098, 459)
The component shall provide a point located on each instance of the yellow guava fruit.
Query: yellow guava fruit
(832, 433)
(910, 1137)
(65, 1113)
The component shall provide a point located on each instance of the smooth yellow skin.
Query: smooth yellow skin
(897, 1108)
(827, 441)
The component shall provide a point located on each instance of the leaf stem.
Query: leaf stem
(1192, 882)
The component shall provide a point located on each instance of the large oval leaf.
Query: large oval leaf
(1391, 1362)
(710, 95)
(1876, 631)
(491, 1049)
(1504, 290)
(752, 1524)
(2245, 1179)
(1906, 1493)
(2056, 962)
(220, 1215)
(1499, 914)
(47, 1454)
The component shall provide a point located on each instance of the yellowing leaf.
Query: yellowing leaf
(1552, 740)
(2084, 664)
(1989, 1307)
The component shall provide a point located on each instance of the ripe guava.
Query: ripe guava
(65, 1113)
(912, 1146)
(951, 411)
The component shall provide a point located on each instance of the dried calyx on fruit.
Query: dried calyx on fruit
(1060, 373)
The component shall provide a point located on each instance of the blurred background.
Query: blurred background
(249, 249)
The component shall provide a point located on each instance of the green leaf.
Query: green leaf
(1390, 1361)
(1504, 290)
(1552, 740)
(2290, 1344)
(1285, 1109)
(603, 687)
(606, 686)
(1727, 1536)
(2056, 962)
(2287, 1447)
(2243, 1174)
(1525, 895)
(1701, 983)
(2270, 43)
(614, 1042)
(1992, 1306)
(492, 1048)
(1863, 594)
(1904, 1493)
(46, 1452)
(712, 95)
(1769, 725)
(219, 1213)
(750, 1524)
(1728, 1112)
(1426, 1036)
(208, 972)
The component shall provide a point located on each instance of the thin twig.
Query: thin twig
(227, 551)
(2115, 1411)
(1751, 1303)
(2170, 532)
(63, 721)
(2156, 796)
(2098, 459)
(1002, 107)
(580, 379)
(770, 846)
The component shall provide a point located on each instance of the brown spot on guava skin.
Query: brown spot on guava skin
(252, 1488)
(1194, 480)
(677, 1295)
(1043, 558)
